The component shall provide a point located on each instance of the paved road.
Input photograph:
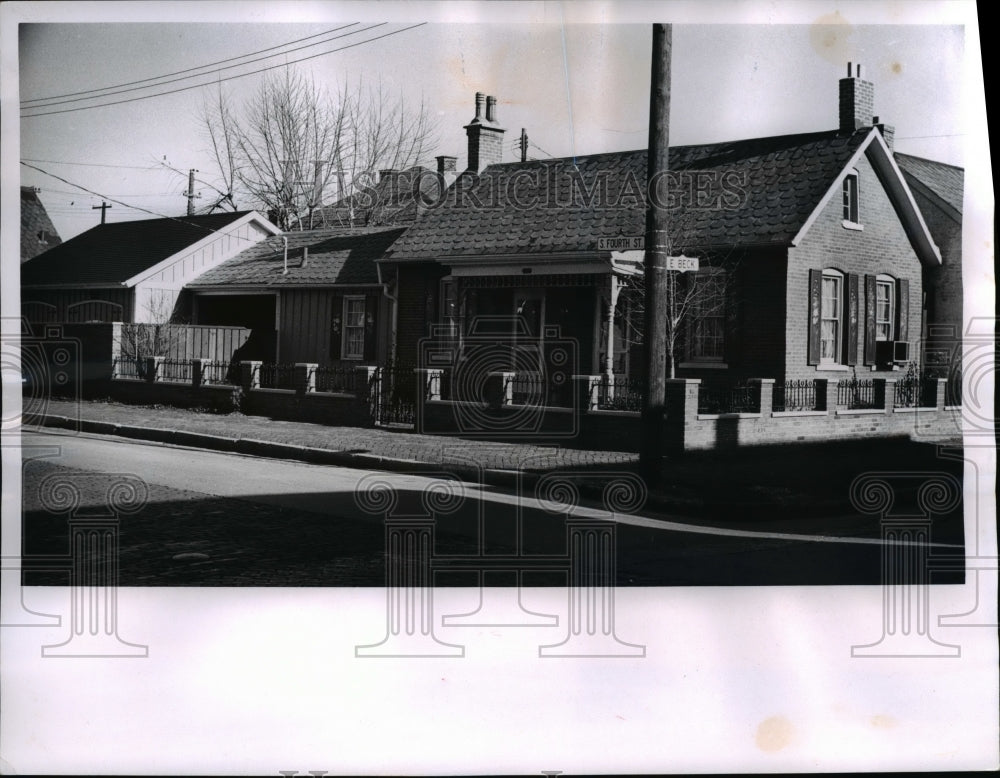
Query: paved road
(226, 519)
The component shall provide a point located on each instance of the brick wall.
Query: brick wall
(943, 283)
(881, 247)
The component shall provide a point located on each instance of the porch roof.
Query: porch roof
(746, 192)
(337, 257)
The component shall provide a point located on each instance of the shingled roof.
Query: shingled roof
(113, 253)
(38, 234)
(746, 192)
(946, 181)
(336, 257)
(391, 201)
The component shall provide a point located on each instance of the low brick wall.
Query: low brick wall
(337, 410)
(689, 430)
(180, 395)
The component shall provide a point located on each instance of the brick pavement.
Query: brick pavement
(398, 444)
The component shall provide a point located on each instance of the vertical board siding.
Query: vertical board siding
(306, 316)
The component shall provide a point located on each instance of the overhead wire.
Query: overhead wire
(198, 75)
(189, 70)
(219, 80)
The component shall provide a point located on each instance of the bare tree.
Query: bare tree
(697, 304)
(292, 140)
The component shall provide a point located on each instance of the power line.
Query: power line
(189, 70)
(86, 164)
(124, 204)
(229, 78)
(186, 78)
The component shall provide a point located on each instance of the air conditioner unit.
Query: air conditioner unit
(890, 352)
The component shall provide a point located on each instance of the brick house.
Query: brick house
(312, 296)
(133, 271)
(812, 251)
(38, 234)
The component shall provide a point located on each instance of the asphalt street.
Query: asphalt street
(213, 518)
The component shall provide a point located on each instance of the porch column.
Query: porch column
(609, 352)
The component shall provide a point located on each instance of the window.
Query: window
(832, 307)
(851, 198)
(885, 308)
(354, 328)
(707, 329)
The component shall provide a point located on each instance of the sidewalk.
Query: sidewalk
(790, 483)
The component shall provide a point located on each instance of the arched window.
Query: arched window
(851, 193)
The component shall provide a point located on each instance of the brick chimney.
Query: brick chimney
(446, 164)
(485, 135)
(857, 101)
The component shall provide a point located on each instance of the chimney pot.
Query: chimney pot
(480, 97)
(491, 109)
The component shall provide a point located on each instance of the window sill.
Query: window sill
(712, 416)
(703, 365)
(833, 366)
(849, 225)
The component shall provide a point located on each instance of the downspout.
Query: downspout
(285, 271)
(394, 301)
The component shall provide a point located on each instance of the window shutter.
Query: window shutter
(371, 334)
(870, 302)
(337, 326)
(851, 357)
(815, 311)
(903, 309)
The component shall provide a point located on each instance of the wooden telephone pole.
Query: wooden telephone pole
(657, 249)
(104, 209)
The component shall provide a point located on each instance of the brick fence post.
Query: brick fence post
(681, 403)
(198, 372)
(304, 377)
(250, 374)
(884, 391)
(116, 347)
(940, 393)
(587, 391)
(499, 389)
(153, 368)
(764, 392)
(429, 382)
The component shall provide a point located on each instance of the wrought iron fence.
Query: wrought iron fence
(219, 372)
(336, 378)
(915, 392)
(129, 367)
(795, 395)
(177, 370)
(855, 393)
(619, 394)
(393, 394)
(728, 398)
(541, 389)
(280, 376)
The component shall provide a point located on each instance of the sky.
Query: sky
(576, 77)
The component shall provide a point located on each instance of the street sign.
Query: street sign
(622, 243)
(682, 263)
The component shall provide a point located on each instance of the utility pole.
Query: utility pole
(104, 208)
(657, 249)
(190, 195)
(524, 145)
